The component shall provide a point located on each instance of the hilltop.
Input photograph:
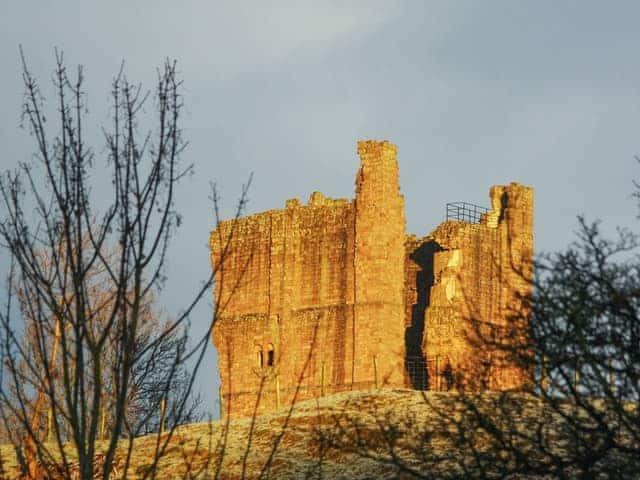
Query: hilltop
(351, 435)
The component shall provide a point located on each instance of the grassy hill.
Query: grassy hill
(361, 435)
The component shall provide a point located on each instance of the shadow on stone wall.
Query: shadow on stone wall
(415, 361)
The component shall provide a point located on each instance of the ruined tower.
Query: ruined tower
(379, 267)
(479, 288)
(333, 295)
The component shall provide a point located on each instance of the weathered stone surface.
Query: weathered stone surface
(478, 301)
(333, 295)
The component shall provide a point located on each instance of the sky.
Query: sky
(474, 93)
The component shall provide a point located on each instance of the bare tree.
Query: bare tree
(86, 309)
(148, 382)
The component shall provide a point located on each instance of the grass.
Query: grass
(369, 434)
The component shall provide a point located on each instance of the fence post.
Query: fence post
(220, 402)
(375, 370)
(163, 406)
(322, 373)
(277, 391)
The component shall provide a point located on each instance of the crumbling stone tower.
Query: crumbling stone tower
(333, 295)
(476, 287)
(379, 267)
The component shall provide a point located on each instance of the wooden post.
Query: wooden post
(375, 370)
(220, 404)
(277, 391)
(163, 406)
(102, 422)
(322, 373)
(576, 380)
(436, 382)
(49, 424)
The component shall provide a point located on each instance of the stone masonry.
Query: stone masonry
(334, 295)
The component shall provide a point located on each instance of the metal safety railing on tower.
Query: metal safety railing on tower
(465, 212)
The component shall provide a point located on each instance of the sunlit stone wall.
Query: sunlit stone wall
(478, 285)
(333, 295)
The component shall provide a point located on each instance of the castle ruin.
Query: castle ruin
(334, 295)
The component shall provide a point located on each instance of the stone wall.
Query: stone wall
(333, 295)
(286, 285)
(479, 281)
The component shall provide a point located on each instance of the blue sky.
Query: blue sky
(474, 93)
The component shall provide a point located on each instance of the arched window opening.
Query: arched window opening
(271, 355)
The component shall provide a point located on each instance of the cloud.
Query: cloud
(473, 92)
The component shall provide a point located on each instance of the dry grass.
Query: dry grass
(343, 436)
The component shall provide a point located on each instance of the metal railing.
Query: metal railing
(465, 212)
(416, 369)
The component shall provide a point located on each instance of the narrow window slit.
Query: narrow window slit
(271, 356)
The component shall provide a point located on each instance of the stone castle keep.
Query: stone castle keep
(334, 295)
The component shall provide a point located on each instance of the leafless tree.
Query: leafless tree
(85, 310)
(148, 381)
